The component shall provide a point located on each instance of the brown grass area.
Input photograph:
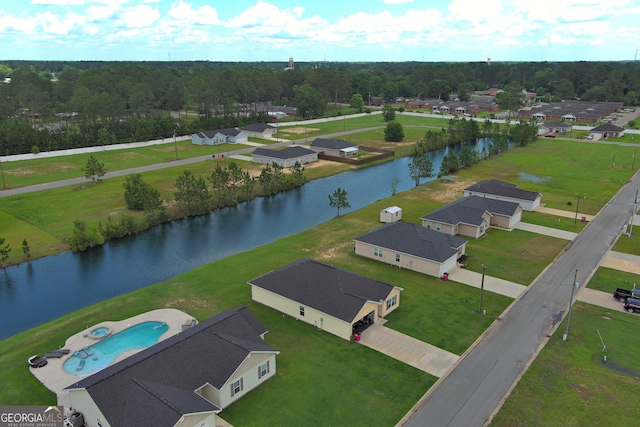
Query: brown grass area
(299, 130)
(129, 155)
(42, 169)
(450, 191)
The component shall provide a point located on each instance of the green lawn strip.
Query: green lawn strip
(517, 255)
(37, 171)
(553, 221)
(14, 231)
(568, 384)
(629, 244)
(607, 280)
(563, 170)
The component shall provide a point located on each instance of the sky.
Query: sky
(320, 30)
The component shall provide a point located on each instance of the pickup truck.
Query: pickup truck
(632, 304)
(622, 294)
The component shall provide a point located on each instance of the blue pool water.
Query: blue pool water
(101, 354)
(100, 332)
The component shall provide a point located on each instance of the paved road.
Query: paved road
(477, 386)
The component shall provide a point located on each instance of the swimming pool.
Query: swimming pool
(98, 356)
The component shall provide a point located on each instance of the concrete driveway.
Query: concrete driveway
(411, 351)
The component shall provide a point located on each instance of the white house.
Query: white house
(286, 157)
(222, 136)
(500, 190)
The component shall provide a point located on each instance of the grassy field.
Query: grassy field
(607, 280)
(570, 385)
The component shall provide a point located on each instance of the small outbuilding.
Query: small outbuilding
(391, 214)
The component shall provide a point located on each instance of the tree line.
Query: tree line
(227, 185)
(57, 105)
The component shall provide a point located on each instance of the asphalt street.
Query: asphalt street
(475, 389)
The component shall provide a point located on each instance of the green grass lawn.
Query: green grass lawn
(553, 221)
(569, 385)
(629, 245)
(607, 280)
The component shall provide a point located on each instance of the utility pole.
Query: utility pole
(577, 206)
(4, 185)
(175, 143)
(633, 213)
(574, 285)
(481, 289)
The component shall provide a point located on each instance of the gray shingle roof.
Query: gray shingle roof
(163, 377)
(257, 127)
(608, 127)
(286, 153)
(469, 210)
(500, 188)
(331, 290)
(333, 144)
(414, 240)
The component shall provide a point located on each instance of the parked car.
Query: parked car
(622, 294)
(590, 137)
(632, 305)
(550, 135)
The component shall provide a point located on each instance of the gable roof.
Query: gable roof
(549, 125)
(500, 188)
(608, 127)
(331, 290)
(286, 153)
(334, 144)
(257, 127)
(414, 240)
(469, 210)
(225, 132)
(163, 377)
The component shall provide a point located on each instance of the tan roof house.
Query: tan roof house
(472, 216)
(183, 381)
(287, 157)
(329, 298)
(412, 247)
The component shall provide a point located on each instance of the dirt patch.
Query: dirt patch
(129, 155)
(42, 169)
(299, 130)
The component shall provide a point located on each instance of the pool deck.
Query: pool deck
(55, 378)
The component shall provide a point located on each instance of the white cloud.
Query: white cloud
(204, 15)
(58, 2)
(266, 19)
(139, 16)
(52, 24)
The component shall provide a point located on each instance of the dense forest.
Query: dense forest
(57, 105)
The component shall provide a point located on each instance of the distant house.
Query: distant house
(491, 91)
(334, 148)
(607, 130)
(555, 127)
(472, 216)
(412, 247)
(331, 299)
(286, 157)
(222, 136)
(184, 380)
(259, 130)
(500, 190)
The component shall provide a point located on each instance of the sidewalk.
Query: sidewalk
(547, 231)
(622, 262)
(563, 213)
(491, 284)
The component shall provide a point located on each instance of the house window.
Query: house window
(438, 227)
(99, 422)
(263, 369)
(377, 252)
(391, 302)
(397, 257)
(428, 224)
(301, 311)
(236, 387)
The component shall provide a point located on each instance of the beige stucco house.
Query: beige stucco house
(412, 247)
(472, 216)
(329, 298)
(183, 381)
(287, 157)
(334, 148)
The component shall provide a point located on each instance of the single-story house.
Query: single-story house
(331, 299)
(493, 91)
(500, 190)
(413, 247)
(222, 136)
(259, 130)
(472, 216)
(555, 127)
(334, 147)
(286, 157)
(607, 130)
(391, 214)
(182, 381)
